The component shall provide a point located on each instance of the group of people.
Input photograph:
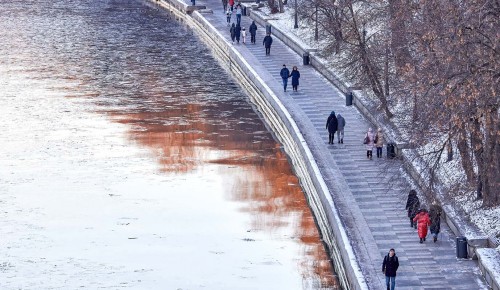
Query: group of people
(237, 32)
(419, 218)
(335, 124)
(286, 74)
(422, 219)
(374, 140)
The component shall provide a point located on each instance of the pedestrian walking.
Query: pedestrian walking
(237, 32)
(389, 268)
(243, 35)
(435, 216)
(228, 16)
(285, 74)
(331, 125)
(253, 31)
(412, 205)
(340, 128)
(379, 142)
(295, 75)
(423, 223)
(238, 14)
(369, 142)
(232, 30)
(231, 4)
(268, 40)
(224, 5)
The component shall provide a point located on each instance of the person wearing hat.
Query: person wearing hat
(285, 74)
(389, 268)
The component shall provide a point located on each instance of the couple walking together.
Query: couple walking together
(295, 75)
(335, 124)
(374, 140)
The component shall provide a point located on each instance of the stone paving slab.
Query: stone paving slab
(375, 184)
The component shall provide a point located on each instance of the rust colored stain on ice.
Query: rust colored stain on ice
(176, 101)
(186, 136)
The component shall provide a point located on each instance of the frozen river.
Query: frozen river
(130, 159)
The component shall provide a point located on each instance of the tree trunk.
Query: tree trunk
(465, 156)
(399, 43)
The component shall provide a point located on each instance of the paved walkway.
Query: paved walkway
(379, 194)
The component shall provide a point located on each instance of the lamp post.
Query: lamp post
(296, 24)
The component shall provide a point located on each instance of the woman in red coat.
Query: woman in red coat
(423, 222)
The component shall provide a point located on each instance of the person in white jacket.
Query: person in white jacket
(243, 34)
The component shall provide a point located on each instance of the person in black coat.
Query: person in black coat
(295, 75)
(268, 40)
(412, 205)
(253, 30)
(435, 215)
(232, 30)
(237, 32)
(331, 125)
(285, 74)
(389, 268)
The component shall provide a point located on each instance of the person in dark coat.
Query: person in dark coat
(295, 75)
(412, 205)
(268, 40)
(237, 32)
(389, 268)
(232, 30)
(253, 31)
(285, 74)
(331, 125)
(435, 215)
(340, 128)
(224, 5)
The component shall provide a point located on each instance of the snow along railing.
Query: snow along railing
(475, 239)
(283, 125)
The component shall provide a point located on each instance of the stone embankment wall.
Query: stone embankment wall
(285, 129)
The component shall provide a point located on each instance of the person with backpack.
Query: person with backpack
(435, 215)
(331, 125)
(423, 223)
(369, 142)
(285, 74)
(412, 205)
(389, 267)
(340, 128)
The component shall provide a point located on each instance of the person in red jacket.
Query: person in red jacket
(423, 222)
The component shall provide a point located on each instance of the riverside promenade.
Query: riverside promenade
(369, 195)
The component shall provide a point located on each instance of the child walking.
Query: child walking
(243, 34)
